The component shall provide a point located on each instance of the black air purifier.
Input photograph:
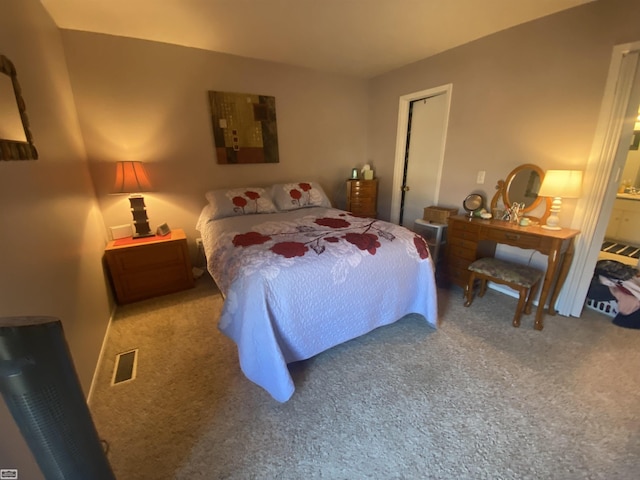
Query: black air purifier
(41, 389)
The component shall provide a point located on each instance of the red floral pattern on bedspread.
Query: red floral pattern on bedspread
(290, 249)
(250, 238)
(365, 234)
(421, 246)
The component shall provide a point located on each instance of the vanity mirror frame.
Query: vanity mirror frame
(503, 187)
(16, 149)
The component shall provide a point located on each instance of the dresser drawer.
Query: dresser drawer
(461, 252)
(458, 276)
(463, 243)
(459, 262)
(362, 197)
(517, 239)
(461, 231)
(457, 227)
(359, 201)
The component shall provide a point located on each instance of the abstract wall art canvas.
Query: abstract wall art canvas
(244, 127)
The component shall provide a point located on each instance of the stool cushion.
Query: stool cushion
(508, 271)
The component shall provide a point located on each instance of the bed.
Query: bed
(299, 277)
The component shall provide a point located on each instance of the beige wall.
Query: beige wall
(141, 100)
(52, 230)
(529, 94)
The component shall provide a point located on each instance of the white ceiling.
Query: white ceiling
(362, 38)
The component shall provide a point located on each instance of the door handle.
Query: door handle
(406, 188)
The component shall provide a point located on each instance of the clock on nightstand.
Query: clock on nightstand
(148, 267)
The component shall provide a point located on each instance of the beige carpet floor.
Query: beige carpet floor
(476, 399)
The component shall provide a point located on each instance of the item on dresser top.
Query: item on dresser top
(436, 214)
(367, 172)
(299, 282)
(473, 202)
(163, 230)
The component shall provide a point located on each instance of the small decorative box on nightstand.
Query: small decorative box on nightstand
(148, 267)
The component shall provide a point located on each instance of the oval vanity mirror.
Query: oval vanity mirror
(521, 186)
(472, 203)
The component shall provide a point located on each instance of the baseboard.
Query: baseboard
(100, 356)
(508, 291)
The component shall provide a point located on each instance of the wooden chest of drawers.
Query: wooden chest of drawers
(362, 197)
(147, 268)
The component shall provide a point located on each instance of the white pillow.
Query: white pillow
(290, 196)
(229, 202)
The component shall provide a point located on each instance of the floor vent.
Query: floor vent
(126, 366)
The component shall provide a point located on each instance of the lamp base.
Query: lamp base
(553, 221)
(143, 235)
(140, 220)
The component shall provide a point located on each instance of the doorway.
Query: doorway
(622, 236)
(603, 172)
(422, 129)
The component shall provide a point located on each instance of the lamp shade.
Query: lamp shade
(131, 177)
(561, 183)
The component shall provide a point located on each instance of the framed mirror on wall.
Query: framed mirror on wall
(16, 141)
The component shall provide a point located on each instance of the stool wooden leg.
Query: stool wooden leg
(469, 290)
(521, 302)
(532, 294)
(483, 287)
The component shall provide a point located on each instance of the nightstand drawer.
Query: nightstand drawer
(147, 268)
(138, 285)
(149, 257)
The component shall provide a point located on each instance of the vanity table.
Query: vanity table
(470, 238)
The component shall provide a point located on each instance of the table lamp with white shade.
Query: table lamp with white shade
(559, 184)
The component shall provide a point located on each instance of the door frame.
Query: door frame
(615, 127)
(401, 142)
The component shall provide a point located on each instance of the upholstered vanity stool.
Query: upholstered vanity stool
(522, 278)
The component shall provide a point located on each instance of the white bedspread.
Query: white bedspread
(300, 282)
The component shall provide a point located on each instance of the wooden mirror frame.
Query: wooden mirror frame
(15, 149)
(502, 191)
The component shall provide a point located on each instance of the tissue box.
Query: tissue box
(368, 174)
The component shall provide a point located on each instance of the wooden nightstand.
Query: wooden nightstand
(362, 197)
(148, 267)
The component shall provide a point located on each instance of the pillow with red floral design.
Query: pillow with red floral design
(289, 196)
(229, 202)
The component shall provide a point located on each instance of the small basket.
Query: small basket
(438, 214)
(609, 308)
